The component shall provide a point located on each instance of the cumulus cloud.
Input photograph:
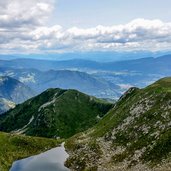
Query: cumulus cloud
(17, 13)
(139, 34)
(23, 29)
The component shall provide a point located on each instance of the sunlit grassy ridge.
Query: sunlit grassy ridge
(136, 131)
(55, 113)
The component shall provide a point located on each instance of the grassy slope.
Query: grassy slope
(14, 147)
(139, 124)
(70, 113)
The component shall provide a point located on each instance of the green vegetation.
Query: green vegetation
(137, 129)
(55, 113)
(116, 115)
(15, 147)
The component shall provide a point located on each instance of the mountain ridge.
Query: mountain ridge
(55, 113)
(39, 81)
(134, 135)
(134, 64)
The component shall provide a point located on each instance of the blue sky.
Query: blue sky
(60, 26)
(90, 13)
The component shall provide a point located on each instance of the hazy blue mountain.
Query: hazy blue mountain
(107, 56)
(13, 90)
(138, 72)
(45, 65)
(40, 81)
(145, 65)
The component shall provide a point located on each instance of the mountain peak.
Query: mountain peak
(135, 133)
(55, 113)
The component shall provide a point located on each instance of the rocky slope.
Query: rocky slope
(134, 135)
(55, 113)
(14, 90)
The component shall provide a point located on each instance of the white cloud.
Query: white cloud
(138, 34)
(23, 29)
(19, 13)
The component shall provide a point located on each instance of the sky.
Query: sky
(91, 13)
(60, 26)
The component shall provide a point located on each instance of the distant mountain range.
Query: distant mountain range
(55, 113)
(39, 81)
(107, 56)
(100, 79)
(143, 65)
